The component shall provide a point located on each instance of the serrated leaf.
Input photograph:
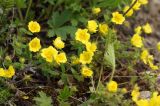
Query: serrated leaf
(64, 94)
(51, 33)
(23, 30)
(43, 99)
(58, 19)
(76, 75)
(63, 31)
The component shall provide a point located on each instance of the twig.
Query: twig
(125, 76)
(130, 7)
(76, 99)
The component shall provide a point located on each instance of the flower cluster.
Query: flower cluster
(153, 101)
(136, 41)
(50, 53)
(118, 18)
(9, 73)
(136, 7)
(83, 36)
(148, 59)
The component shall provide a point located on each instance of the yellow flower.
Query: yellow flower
(117, 18)
(86, 72)
(91, 47)
(135, 93)
(2, 72)
(112, 86)
(153, 67)
(82, 35)
(34, 45)
(138, 30)
(58, 43)
(136, 41)
(144, 56)
(25, 97)
(143, 1)
(49, 53)
(147, 28)
(61, 58)
(150, 62)
(148, 59)
(142, 102)
(103, 28)
(10, 72)
(34, 26)
(129, 13)
(86, 57)
(96, 10)
(92, 26)
(155, 100)
(136, 6)
(158, 46)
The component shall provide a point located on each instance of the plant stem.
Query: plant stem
(113, 71)
(93, 84)
(29, 6)
(130, 7)
(20, 14)
(100, 76)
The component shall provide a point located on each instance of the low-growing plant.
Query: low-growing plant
(76, 52)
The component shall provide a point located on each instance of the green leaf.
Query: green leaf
(24, 31)
(64, 94)
(63, 31)
(48, 70)
(43, 99)
(51, 33)
(20, 3)
(6, 5)
(5, 94)
(109, 56)
(62, 103)
(110, 3)
(76, 75)
(58, 19)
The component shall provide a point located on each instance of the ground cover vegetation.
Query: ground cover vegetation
(76, 53)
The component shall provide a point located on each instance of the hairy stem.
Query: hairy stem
(93, 84)
(100, 76)
(113, 71)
